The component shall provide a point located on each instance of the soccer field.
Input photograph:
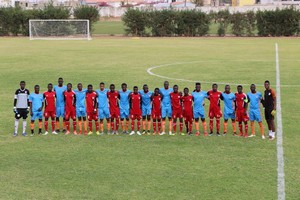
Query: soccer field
(148, 167)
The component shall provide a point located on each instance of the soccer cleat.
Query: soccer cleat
(205, 134)
(126, 132)
(235, 134)
(224, 134)
(148, 132)
(46, 133)
(90, 133)
(57, 130)
(170, 133)
(40, 133)
(246, 135)
(162, 133)
(252, 135)
(32, 134)
(80, 132)
(67, 133)
(211, 133)
(132, 133)
(24, 134)
(15, 134)
(263, 137)
(143, 132)
(64, 130)
(197, 133)
(241, 134)
(190, 133)
(75, 132)
(154, 133)
(139, 133)
(102, 133)
(108, 133)
(85, 132)
(218, 134)
(271, 137)
(97, 133)
(182, 133)
(54, 133)
(117, 133)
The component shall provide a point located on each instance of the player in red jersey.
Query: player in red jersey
(187, 105)
(241, 104)
(49, 111)
(92, 109)
(156, 111)
(135, 103)
(70, 108)
(113, 99)
(176, 108)
(214, 97)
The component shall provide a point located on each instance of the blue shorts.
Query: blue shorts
(124, 113)
(36, 115)
(103, 113)
(255, 115)
(80, 112)
(229, 115)
(166, 112)
(199, 114)
(146, 111)
(60, 111)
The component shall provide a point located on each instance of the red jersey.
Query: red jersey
(187, 102)
(49, 100)
(240, 100)
(113, 100)
(91, 100)
(70, 100)
(214, 98)
(156, 103)
(135, 100)
(176, 101)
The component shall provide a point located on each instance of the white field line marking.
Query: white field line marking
(149, 71)
(280, 158)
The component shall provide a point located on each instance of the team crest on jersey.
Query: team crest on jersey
(269, 93)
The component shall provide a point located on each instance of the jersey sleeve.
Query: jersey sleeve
(273, 93)
(30, 98)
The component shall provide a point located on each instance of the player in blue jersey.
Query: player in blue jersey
(80, 108)
(60, 104)
(199, 113)
(166, 108)
(229, 109)
(255, 98)
(146, 108)
(103, 108)
(36, 101)
(124, 107)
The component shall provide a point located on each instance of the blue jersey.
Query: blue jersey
(60, 95)
(254, 99)
(36, 101)
(228, 102)
(124, 99)
(199, 98)
(146, 98)
(80, 98)
(166, 100)
(102, 98)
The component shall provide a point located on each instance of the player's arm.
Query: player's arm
(129, 99)
(74, 103)
(274, 99)
(246, 103)
(141, 101)
(28, 104)
(95, 103)
(15, 101)
(222, 97)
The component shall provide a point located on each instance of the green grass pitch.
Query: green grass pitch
(147, 167)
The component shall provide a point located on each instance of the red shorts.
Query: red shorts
(51, 114)
(241, 117)
(92, 116)
(114, 113)
(156, 114)
(135, 116)
(70, 114)
(188, 116)
(217, 113)
(177, 114)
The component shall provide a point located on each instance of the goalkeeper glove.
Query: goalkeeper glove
(273, 113)
(15, 110)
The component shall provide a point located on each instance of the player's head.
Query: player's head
(79, 86)
(90, 88)
(267, 84)
(112, 87)
(175, 88)
(240, 88)
(124, 86)
(145, 88)
(156, 91)
(50, 87)
(69, 86)
(166, 84)
(227, 89)
(60, 81)
(135, 89)
(186, 91)
(198, 86)
(36, 89)
(214, 87)
(22, 84)
(252, 88)
(102, 86)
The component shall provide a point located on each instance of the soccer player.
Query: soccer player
(199, 112)
(80, 108)
(269, 103)
(21, 107)
(146, 108)
(124, 107)
(214, 97)
(60, 104)
(103, 108)
(36, 101)
(241, 102)
(91, 109)
(166, 108)
(135, 102)
(255, 98)
(49, 98)
(187, 105)
(229, 109)
(114, 109)
(156, 111)
(176, 109)
(70, 108)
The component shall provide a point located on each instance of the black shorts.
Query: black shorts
(268, 114)
(21, 113)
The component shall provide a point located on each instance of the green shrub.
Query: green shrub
(135, 22)
(90, 13)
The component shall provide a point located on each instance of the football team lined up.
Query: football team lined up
(139, 107)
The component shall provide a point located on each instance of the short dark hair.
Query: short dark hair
(135, 87)
(60, 78)
(240, 86)
(145, 85)
(70, 84)
(79, 84)
(252, 84)
(175, 86)
(102, 83)
(112, 85)
(267, 81)
(36, 86)
(215, 84)
(156, 89)
(90, 85)
(124, 84)
(186, 88)
(22, 82)
(198, 83)
(50, 84)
